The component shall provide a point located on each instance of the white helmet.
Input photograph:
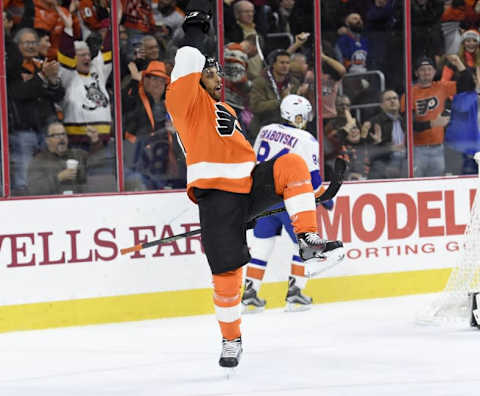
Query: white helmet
(296, 110)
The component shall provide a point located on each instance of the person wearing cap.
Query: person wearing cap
(145, 115)
(429, 106)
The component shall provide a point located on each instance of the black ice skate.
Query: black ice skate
(296, 300)
(231, 352)
(251, 303)
(318, 253)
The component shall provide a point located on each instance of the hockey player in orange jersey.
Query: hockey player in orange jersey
(224, 181)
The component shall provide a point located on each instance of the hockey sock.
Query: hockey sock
(297, 270)
(293, 182)
(261, 249)
(226, 299)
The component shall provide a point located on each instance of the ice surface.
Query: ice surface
(355, 348)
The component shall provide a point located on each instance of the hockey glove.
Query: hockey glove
(197, 18)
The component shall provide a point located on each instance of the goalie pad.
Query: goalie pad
(473, 308)
(333, 254)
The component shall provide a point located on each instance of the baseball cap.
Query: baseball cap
(157, 68)
(424, 61)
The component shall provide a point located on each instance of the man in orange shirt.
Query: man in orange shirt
(224, 181)
(431, 114)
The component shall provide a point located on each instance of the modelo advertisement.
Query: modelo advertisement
(69, 247)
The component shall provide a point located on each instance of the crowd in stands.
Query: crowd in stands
(61, 100)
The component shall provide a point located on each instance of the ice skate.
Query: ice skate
(231, 353)
(333, 254)
(310, 245)
(319, 254)
(251, 303)
(296, 300)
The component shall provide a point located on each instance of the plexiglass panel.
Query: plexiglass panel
(362, 83)
(445, 52)
(150, 34)
(59, 65)
(269, 54)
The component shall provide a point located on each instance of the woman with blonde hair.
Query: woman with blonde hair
(469, 53)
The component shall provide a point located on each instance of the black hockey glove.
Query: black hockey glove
(197, 18)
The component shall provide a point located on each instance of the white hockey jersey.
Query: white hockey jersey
(275, 140)
(86, 98)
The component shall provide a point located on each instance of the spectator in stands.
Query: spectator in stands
(379, 20)
(352, 50)
(15, 10)
(50, 16)
(429, 105)
(148, 51)
(167, 15)
(101, 164)
(280, 17)
(33, 90)
(472, 14)
(244, 14)
(86, 100)
(385, 135)
(49, 174)
(427, 35)
(450, 21)
(336, 132)
(268, 91)
(343, 138)
(145, 127)
(332, 74)
(237, 84)
(462, 134)
(93, 14)
(352, 45)
(44, 44)
(300, 70)
(138, 20)
(469, 54)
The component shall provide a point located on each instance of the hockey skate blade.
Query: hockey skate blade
(251, 309)
(330, 259)
(295, 307)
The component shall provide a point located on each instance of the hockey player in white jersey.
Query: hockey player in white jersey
(273, 141)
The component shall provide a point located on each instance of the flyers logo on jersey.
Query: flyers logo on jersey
(425, 105)
(226, 122)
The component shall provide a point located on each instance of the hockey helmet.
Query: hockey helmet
(210, 61)
(297, 110)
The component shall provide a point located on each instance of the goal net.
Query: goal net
(452, 304)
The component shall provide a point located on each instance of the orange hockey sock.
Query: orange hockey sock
(293, 182)
(226, 299)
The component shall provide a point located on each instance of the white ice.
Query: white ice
(351, 348)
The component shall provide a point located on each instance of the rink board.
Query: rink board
(60, 263)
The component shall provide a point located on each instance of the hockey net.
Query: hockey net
(452, 304)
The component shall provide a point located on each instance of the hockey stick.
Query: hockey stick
(330, 192)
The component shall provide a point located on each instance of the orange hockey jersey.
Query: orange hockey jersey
(218, 156)
(428, 104)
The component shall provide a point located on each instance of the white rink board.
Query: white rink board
(68, 247)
